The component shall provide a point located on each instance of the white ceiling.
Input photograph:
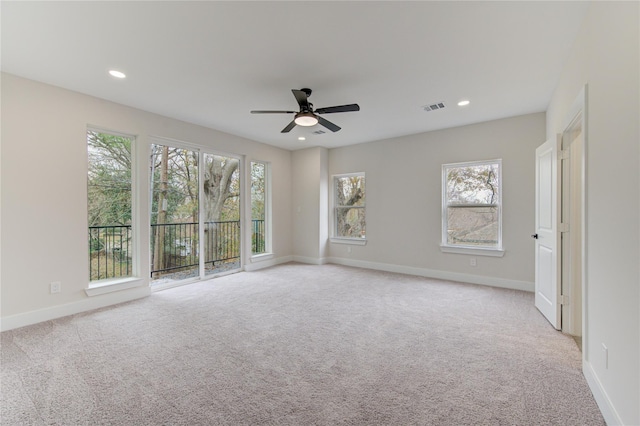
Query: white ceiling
(210, 63)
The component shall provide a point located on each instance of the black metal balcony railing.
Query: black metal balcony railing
(174, 246)
(110, 247)
(257, 237)
(109, 252)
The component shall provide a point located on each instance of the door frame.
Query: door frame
(173, 143)
(242, 209)
(571, 235)
(578, 110)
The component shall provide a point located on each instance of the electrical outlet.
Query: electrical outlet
(348, 249)
(473, 261)
(605, 352)
(56, 287)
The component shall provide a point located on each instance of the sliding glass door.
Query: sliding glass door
(195, 209)
(174, 214)
(221, 211)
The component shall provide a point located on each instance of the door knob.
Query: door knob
(535, 236)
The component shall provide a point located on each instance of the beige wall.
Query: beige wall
(309, 204)
(44, 172)
(404, 192)
(605, 57)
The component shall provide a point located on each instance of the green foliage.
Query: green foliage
(258, 171)
(182, 184)
(109, 179)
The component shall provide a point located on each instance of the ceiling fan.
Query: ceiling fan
(307, 116)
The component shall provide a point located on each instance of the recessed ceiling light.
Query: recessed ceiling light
(117, 74)
(302, 138)
(463, 103)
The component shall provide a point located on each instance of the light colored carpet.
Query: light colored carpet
(300, 345)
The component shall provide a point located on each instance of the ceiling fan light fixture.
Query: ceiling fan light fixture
(306, 119)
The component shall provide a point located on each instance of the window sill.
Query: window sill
(476, 251)
(111, 286)
(261, 257)
(352, 241)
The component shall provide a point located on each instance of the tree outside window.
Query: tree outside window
(109, 205)
(259, 225)
(472, 196)
(349, 202)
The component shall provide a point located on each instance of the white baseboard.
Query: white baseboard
(311, 260)
(33, 317)
(600, 395)
(256, 265)
(433, 273)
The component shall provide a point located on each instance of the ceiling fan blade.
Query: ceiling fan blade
(302, 99)
(273, 112)
(329, 125)
(289, 127)
(340, 108)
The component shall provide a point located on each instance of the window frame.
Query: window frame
(445, 247)
(335, 238)
(108, 285)
(268, 249)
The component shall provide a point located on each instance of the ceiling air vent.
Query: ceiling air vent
(319, 132)
(433, 107)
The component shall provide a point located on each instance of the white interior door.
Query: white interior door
(547, 267)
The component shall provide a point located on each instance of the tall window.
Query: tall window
(109, 188)
(259, 207)
(471, 205)
(349, 206)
